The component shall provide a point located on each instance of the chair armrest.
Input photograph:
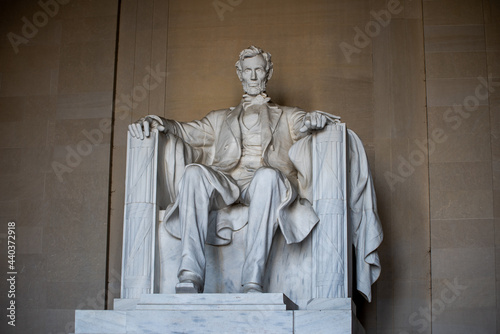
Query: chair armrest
(331, 237)
(140, 217)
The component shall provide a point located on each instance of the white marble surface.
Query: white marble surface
(140, 217)
(220, 313)
(210, 322)
(330, 304)
(326, 322)
(331, 239)
(90, 321)
(123, 304)
(218, 298)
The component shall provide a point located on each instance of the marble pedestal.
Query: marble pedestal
(221, 313)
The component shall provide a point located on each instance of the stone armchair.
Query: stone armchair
(334, 174)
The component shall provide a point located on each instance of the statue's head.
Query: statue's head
(254, 69)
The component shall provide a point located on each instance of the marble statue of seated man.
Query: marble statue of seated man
(245, 161)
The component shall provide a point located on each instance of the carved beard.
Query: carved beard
(254, 90)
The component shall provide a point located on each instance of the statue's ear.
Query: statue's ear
(269, 74)
(238, 72)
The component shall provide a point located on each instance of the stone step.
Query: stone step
(220, 313)
(207, 301)
(229, 301)
(212, 307)
(163, 321)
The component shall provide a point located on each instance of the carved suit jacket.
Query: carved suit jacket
(218, 135)
(217, 138)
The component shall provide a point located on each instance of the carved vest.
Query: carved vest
(251, 154)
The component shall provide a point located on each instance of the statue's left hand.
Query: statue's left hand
(316, 120)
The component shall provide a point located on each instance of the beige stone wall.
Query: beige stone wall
(461, 52)
(57, 85)
(400, 122)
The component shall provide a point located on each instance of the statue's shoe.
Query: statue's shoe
(252, 288)
(188, 286)
(189, 282)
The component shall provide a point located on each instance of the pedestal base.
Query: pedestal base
(220, 313)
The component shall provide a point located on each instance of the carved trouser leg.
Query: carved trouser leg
(266, 192)
(202, 189)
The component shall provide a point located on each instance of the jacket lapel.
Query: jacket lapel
(233, 122)
(269, 123)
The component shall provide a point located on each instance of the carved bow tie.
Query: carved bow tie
(260, 99)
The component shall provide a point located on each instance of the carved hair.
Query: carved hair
(253, 51)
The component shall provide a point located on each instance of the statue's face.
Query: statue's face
(253, 75)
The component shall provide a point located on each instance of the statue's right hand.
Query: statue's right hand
(142, 128)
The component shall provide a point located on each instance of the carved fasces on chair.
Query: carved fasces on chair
(140, 217)
(331, 241)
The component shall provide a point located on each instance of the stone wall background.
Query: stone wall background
(55, 88)
(436, 169)
(461, 51)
